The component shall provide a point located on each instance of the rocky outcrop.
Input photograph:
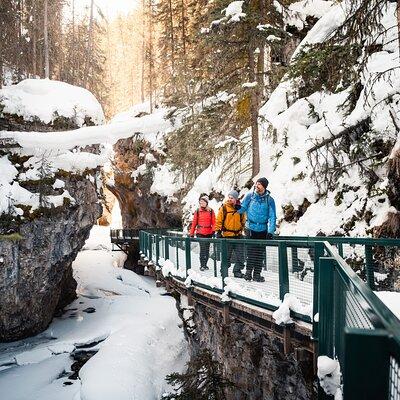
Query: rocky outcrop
(40, 237)
(253, 361)
(36, 277)
(133, 178)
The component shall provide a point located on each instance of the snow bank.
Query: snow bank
(391, 300)
(329, 376)
(151, 126)
(46, 100)
(290, 302)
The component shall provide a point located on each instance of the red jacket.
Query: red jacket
(203, 221)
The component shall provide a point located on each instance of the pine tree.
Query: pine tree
(203, 380)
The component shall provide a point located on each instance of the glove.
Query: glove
(270, 236)
(218, 234)
(238, 207)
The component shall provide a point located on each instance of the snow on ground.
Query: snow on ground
(391, 300)
(47, 100)
(120, 314)
(300, 299)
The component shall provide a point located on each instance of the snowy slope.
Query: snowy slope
(137, 330)
(297, 129)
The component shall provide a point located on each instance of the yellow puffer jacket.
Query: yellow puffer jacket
(232, 224)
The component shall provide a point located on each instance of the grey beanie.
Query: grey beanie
(234, 194)
(205, 198)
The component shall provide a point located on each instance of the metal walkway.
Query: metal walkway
(353, 325)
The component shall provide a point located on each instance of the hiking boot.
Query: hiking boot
(248, 276)
(258, 278)
(238, 274)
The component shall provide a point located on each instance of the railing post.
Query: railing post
(369, 266)
(150, 248)
(166, 247)
(295, 259)
(318, 253)
(340, 249)
(177, 253)
(326, 311)
(188, 254)
(283, 270)
(157, 248)
(224, 261)
(216, 249)
(367, 364)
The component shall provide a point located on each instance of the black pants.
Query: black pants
(236, 249)
(255, 253)
(204, 250)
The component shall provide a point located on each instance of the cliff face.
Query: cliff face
(49, 201)
(253, 361)
(36, 278)
(134, 168)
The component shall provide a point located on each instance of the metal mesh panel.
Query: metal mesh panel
(349, 312)
(394, 379)
(301, 273)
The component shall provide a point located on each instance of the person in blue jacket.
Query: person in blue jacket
(260, 224)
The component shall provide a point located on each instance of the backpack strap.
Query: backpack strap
(225, 212)
(201, 226)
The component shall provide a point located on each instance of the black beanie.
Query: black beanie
(264, 182)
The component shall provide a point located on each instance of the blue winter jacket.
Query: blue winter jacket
(261, 212)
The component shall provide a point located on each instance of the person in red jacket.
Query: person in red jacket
(203, 225)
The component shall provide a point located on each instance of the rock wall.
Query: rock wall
(36, 275)
(139, 207)
(253, 361)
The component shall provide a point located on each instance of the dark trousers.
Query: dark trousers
(255, 253)
(236, 249)
(204, 250)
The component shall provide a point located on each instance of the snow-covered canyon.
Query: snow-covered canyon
(131, 326)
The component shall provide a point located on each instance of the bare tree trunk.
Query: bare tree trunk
(171, 26)
(151, 69)
(398, 22)
(142, 86)
(261, 58)
(254, 114)
(73, 51)
(89, 46)
(46, 41)
(1, 68)
(34, 42)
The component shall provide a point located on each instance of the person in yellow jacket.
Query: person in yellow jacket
(230, 224)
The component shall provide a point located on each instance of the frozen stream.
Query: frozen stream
(122, 316)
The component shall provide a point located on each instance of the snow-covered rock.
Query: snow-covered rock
(47, 100)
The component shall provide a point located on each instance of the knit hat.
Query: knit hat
(234, 194)
(205, 198)
(264, 182)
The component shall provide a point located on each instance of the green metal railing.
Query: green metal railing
(354, 326)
